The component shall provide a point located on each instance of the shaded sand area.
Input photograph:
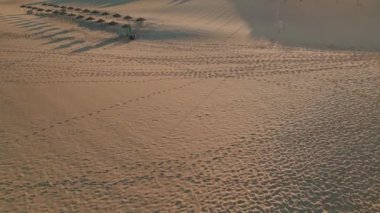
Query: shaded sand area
(194, 116)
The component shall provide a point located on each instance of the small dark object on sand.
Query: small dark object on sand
(105, 14)
(116, 15)
(127, 17)
(113, 23)
(140, 19)
(100, 21)
(95, 12)
(86, 10)
(79, 17)
(78, 9)
(90, 18)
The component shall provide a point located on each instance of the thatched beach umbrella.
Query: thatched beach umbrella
(86, 10)
(105, 14)
(128, 17)
(80, 17)
(48, 10)
(140, 19)
(78, 9)
(29, 7)
(95, 12)
(63, 7)
(56, 11)
(56, 6)
(116, 15)
(70, 8)
(71, 14)
(90, 18)
(23, 6)
(113, 23)
(100, 21)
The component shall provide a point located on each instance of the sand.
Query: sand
(204, 112)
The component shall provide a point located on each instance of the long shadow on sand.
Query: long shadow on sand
(106, 42)
(96, 3)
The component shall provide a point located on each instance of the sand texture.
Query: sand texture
(211, 109)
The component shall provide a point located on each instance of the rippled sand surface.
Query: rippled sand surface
(90, 122)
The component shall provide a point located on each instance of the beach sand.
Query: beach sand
(204, 112)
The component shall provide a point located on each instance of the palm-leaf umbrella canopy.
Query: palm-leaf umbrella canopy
(70, 8)
(63, 7)
(100, 21)
(127, 17)
(80, 17)
(72, 14)
(40, 10)
(113, 23)
(86, 10)
(22, 6)
(117, 15)
(55, 11)
(140, 19)
(56, 6)
(90, 18)
(95, 12)
(105, 14)
(48, 10)
(78, 9)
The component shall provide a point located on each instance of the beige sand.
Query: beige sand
(204, 112)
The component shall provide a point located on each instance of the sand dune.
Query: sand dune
(211, 109)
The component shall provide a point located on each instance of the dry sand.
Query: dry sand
(204, 112)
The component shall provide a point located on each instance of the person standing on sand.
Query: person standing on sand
(130, 32)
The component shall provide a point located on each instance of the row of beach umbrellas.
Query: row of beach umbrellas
(95, 12)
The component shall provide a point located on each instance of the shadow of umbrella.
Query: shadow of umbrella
(104, 43)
